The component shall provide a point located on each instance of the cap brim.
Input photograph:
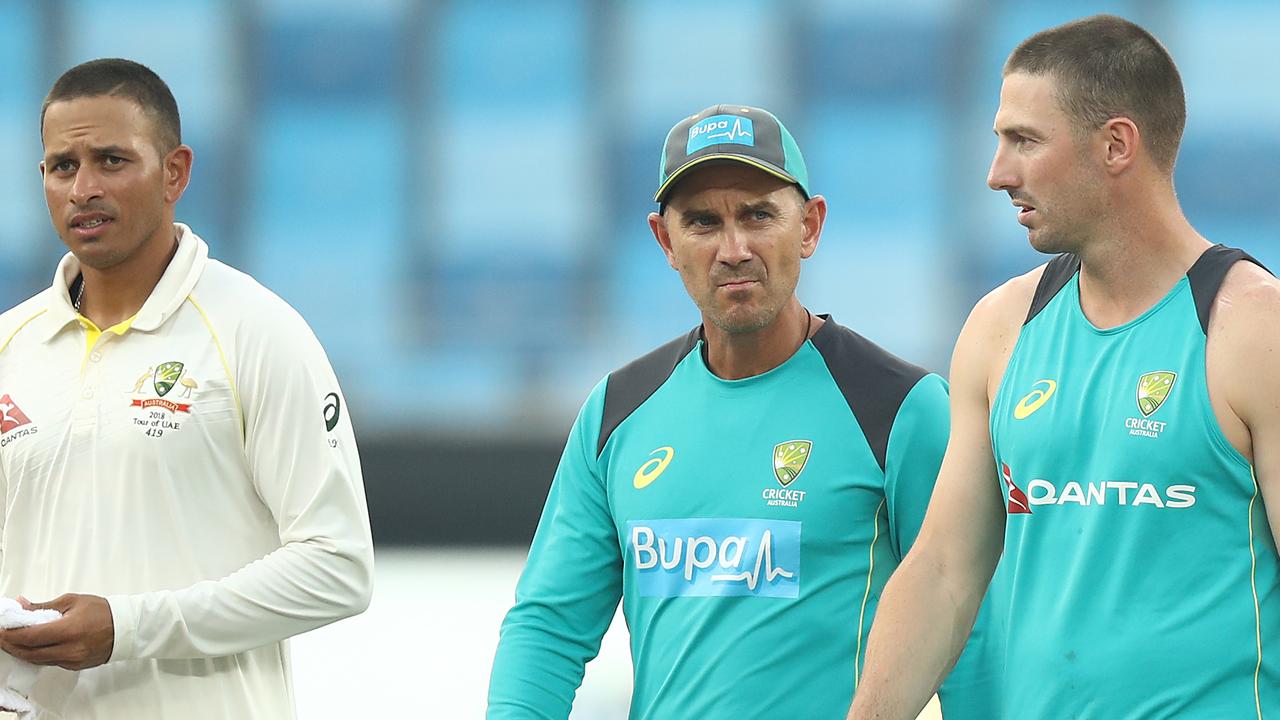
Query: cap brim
(753, 162)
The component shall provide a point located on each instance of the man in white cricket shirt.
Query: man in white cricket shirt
(177, 465)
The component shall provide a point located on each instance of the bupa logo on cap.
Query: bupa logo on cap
(719, 129)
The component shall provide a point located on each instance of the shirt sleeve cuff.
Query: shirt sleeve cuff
(124, 618)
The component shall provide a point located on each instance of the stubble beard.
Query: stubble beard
(741, 318)
(103, 255)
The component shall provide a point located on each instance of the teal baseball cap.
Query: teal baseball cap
(735, 133)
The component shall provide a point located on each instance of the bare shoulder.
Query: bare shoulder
(999, 315)
(1243, 318)
(990, 333)
(1008, 303)
(1244, 340)
(1249, 296)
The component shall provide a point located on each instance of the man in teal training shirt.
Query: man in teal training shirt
(1115, 426)
(746, 489)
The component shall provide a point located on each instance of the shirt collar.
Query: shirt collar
(175, 285)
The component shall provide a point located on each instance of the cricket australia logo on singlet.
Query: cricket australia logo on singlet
(14, 423)
(1153, 390)
(715, 557)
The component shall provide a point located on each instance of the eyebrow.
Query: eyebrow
(1023, 130)
(59, 156)
(766, 205)
(687, 217)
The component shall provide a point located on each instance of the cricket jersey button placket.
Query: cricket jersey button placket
(85, 413)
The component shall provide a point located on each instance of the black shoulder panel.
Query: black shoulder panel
(1206, 277)
(1057, 274)
(874, 381)
(630, 386)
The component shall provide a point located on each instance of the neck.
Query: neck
(1139, 254)
(734, 356)
(115, 294)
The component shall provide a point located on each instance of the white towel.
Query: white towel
(15, 688)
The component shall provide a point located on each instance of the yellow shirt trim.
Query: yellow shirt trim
(92, 334)
(226, 367)
(14, 334)
(871, 571)
(1257, 609)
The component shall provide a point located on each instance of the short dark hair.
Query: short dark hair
(126, 79)
(1108, 67)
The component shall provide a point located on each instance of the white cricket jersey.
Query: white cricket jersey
(197, 467)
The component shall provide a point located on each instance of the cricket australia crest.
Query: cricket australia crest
(167, 375)
(789, 459)
(1154, 389)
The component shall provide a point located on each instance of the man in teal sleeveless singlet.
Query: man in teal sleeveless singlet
(1115, 425)
(746, 489)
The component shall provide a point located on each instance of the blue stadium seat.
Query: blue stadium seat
(878, 56)
(506, 55)
(327, 187)
(452, 391)
(325, 217)
(670, 65)
(1226, 55)
(883, 279)
(199, 67)
(25, 235)
(648, 303)
(880, 161)
(519, 304)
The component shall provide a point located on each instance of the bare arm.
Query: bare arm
(930, 603)
(1244, 348)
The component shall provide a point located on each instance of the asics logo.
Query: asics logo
(650, 471)
(1035, 399)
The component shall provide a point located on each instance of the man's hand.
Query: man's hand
(82, 638)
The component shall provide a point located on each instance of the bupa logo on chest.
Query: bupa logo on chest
(709, 557)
